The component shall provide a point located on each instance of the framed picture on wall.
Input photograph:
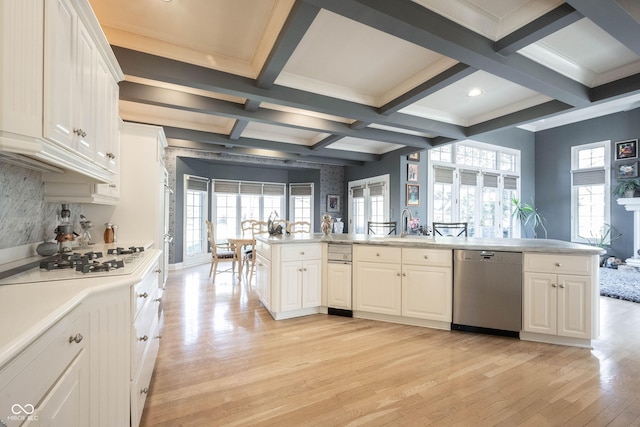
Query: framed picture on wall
(333, 203)
(413, 194)
(412, 172)
(627, 170)
(627, 149)
(414, 156)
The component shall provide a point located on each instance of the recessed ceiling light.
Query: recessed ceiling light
(475, 92)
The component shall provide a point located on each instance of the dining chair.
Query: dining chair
(257, 228)
(455, 229)
(387, 227)
(219, 251)
(299, 227)
(245, 227)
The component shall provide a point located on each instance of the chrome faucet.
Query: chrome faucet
(405, 228)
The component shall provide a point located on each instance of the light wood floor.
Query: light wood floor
(224, 361)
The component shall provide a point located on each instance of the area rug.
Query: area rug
(620, 284)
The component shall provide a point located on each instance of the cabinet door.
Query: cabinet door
(66, 405)
(339, 286)
(59, 72)
(263, 280)
(574, 304)
(311, 283)
(291, 291)
(427, 293)
(540, 303)
(85, 91)
(378, 288)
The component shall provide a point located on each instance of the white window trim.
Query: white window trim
(204, 257)
(385, 179)
(312, 207)
(607, 185)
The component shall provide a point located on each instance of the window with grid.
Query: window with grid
(368, 201)
(590, 200)
(474, 182)
(236, 201)
(301, 202)
(195, 213)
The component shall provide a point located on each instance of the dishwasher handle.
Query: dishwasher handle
(487, 254)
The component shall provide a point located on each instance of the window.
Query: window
(590, 202)
(368, 201)
(301, 203)
(195, 213)
(474, 182)
(236, 201)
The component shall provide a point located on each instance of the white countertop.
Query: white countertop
(469, 243)
(28, 310)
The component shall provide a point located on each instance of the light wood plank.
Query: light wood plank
(224, 361)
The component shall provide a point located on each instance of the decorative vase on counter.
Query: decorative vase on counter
(326, 224)
(47, 248)
(338, 226)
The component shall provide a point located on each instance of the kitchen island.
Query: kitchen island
(410, 280)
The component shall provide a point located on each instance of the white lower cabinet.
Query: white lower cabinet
(295, 280)
(378, 288)
(263, 275)
(414, 285)
(339, 285)
(556, 300)
(48, 383)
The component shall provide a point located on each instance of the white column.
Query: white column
(633, 204)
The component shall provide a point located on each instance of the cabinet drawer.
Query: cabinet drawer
(561, 264)
(377, 253)
(141, 292)
(435, 257)
(143, 330)
(300, 252)
(28, 377)
(140, 383)
(263, 249)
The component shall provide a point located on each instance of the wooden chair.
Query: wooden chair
(219, 251)
(455, 229)
(257, 228)
(299, 227)
(388, 227)
(246, 227)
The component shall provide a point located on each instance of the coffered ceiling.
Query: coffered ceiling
(351, 81)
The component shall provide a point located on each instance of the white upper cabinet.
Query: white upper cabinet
(59, 79)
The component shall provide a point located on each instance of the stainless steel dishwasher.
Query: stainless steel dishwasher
(487, 292)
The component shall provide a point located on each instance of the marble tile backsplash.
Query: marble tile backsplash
(25, 217)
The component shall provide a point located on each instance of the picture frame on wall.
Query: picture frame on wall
(626, 150)
(333, 203)
(627, 170)
(412, 172)
(414, 156)
(413, 194)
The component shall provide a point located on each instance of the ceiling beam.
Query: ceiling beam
(327, 141)
(144, 94)
(414, 23)
(300, 18)
(538, 29)
(256, 152)
(299, 150)
(442, 80)
(617, 89)
(612, 18)
(154, 67)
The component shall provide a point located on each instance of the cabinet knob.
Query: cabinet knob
(112, 186)
(558, 264)
(301, 253)
(158, 271)
(398, 274)
(554, 285)
(144, 338)
(76, 339)
(158, 299)
(158, 336)
(404, 274)
(377, 254)
(79, 132)
(426, 257)
(144, 295)
(111, 155)
(304, 269)
(144, 390)
(562, 286)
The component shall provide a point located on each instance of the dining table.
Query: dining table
(238, 243)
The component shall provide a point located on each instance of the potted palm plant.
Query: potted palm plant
(603, 240)
(626, 188)
(529, 216)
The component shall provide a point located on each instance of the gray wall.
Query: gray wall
(553, 174)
